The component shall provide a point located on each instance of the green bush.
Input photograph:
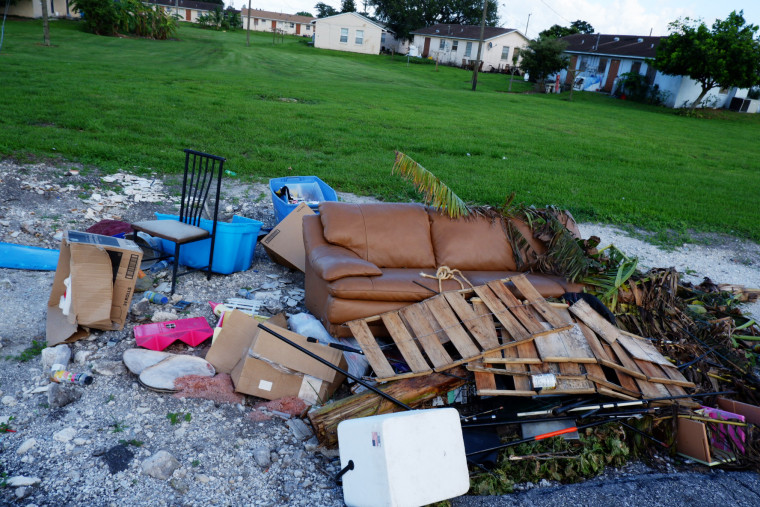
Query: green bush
(635, 86)
(104, 17)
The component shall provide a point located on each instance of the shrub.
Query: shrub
(636, 87)
(104, 17)
(99, 15)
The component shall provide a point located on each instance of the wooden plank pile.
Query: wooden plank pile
(517, 344)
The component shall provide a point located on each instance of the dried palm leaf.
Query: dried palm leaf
(434, 192)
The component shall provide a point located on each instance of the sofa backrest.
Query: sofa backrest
(389, 235)
(472, 243)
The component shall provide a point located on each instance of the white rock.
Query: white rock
(160, 466)
(24, 448)
(65, 435)
(9, 401)
(80, 441)
(109, 368)
(81, 356)
(20, 480)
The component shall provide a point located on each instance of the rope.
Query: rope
(446, 273)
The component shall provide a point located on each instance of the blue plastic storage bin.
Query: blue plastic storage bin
(308, 188)
(233, 248)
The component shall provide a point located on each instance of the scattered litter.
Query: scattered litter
(218, 389)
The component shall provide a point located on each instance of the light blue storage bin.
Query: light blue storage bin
(233, 248)
(309, 188)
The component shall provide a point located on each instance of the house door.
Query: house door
(298, 28)
(611, 75)
(274, 25)
(570, 69)
(426, 48)
(188, 15)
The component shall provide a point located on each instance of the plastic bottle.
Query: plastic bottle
(60, 375)
(155, 297)
(158, 266)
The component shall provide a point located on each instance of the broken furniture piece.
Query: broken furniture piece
(366, 259)
(203, 172)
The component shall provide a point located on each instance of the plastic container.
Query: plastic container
(406, 458)
(159, 335)
(233, 248)
(309, 189)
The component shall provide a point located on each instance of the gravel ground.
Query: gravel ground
(85, 451)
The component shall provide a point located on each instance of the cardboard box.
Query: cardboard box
(267, 367)
(284, 244)
(103, 271)
(695, 443)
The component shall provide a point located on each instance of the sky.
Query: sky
(619, 17)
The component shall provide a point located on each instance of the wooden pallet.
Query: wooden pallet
(590, 356)
(457, 327)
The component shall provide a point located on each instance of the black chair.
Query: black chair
(202, 173)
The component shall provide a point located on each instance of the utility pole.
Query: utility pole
(248, 35)
(480, 46)
(527, 23)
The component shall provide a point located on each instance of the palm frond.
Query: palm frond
(434, 192)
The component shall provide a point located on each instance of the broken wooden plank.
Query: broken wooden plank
(523, 312)
(371, 350)
(511, 325)
(565, 346)
(599, 324)
(405, 343)
(426, 335)
(537, 300)
(482, 330)
(450, 325)
(641, 349)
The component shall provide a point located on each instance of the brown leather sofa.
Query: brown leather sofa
(364, 259)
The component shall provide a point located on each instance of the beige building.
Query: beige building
(33, 9)
(186, 10)
(458, 45)
(354, 33)
(266, 21)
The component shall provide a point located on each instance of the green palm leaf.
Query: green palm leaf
(434, 192)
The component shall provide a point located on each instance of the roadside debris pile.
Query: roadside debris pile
(478, 387)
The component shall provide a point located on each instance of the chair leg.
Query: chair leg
(174, 267)
(210, 258)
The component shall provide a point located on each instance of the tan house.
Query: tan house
(266, 21)
(352, 32)
(33, 9)
(458, 45)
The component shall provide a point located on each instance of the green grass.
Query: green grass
(131, 104)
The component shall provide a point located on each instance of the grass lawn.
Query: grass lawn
(288, 109)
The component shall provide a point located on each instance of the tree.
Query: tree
(726, 56)
(304, 13)
(581, 26)
(347, 6)
(403, 16)
(543, 57)
(324, 10)
(557, 31)
(45, 24)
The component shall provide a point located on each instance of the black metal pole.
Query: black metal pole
(336, 368)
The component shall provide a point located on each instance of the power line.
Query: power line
(555, 12)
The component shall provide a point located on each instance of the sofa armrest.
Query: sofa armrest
(331, 262)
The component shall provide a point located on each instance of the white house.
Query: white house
(186, 10)
(350, 31)
(458, 45)
(599, 60)
(266, 21)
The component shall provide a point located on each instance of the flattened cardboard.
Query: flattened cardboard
(284, 244)
(235, 339)
(103, 273)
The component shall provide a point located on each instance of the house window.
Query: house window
(723, 90)
(515, 54)
(468, 50)
(505, 53)
(292, 25)
(455, 45)
(636, 67)
(442, 45)
(359, 37)
(382, 39)
(308, 27)
(255, 22)
(602, 66)
(344, 34)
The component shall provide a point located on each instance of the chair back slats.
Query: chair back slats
(202, 171)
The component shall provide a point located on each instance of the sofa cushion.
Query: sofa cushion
(472, 243)
(331, 262)
(388, 235)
